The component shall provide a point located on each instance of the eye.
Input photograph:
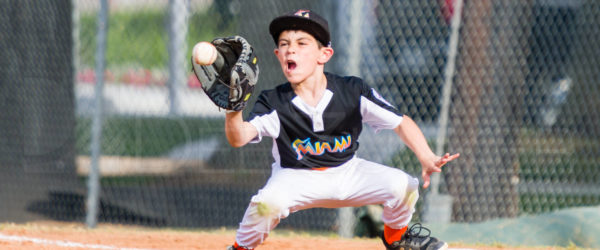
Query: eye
(281, 44)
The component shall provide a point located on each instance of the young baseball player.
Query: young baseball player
(314, 120)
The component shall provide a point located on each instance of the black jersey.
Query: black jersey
(326, 135)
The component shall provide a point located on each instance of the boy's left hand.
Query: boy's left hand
(435, 165)
(230, 80)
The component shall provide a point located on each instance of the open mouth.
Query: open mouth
(291, 65)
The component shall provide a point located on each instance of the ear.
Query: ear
(276, 51)
(326, 54)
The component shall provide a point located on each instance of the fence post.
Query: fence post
(438, 208)
(177, 30)
(346, 218)
(94, 175)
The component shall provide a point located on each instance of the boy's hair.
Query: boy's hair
(304, 20)
(319, 44)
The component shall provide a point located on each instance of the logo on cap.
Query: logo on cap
(303, 13)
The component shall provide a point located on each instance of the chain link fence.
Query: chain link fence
(523, 111)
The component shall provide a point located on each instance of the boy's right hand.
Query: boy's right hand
(433, 165)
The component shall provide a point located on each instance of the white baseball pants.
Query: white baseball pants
(357, 182)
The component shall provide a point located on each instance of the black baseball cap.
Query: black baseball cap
(302, 19)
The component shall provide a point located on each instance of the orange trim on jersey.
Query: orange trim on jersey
(320, 169)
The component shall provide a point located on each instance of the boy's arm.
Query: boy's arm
(238, 131)
(412, 136)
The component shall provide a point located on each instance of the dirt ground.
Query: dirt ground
(56, 235)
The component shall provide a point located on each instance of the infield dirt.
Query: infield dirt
(59, 235)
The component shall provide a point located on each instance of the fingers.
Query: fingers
(446, 158)
(437, 167)
(426, 175)
(425, 180)
(451, 157)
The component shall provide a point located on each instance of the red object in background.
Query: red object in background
(193, 82)
(137, 77)
(86, 76)
(447, 10)
(89, 76)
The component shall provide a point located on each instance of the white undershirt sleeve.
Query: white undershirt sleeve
(266, 125)
(378, 117)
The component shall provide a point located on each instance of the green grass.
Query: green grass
(139, 38)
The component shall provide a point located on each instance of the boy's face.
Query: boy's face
(299, 55)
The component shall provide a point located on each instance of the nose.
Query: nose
(291, 49)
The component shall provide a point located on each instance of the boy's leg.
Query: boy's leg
(368, 183)
(264, 213)
(398, 192)
(287, 191)
(356, 183)
(259, 219)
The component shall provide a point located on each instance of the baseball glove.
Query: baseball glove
(230, 80)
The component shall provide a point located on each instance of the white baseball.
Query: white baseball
(204, 53)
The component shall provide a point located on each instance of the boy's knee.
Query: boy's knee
(268, 209)
(412, 192)
(271, 205)
(411, 198)
(407, 192)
